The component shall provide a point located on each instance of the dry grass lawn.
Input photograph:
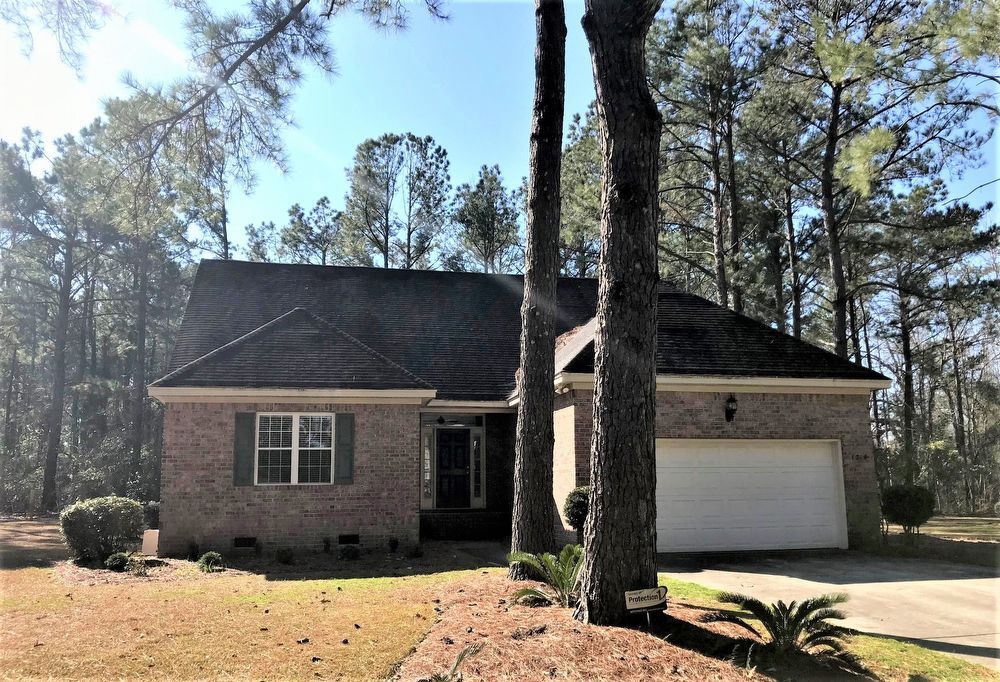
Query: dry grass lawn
(318, 620)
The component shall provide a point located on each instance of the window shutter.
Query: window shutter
(343, 460)
(243, 448)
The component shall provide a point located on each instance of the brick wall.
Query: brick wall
(200, 504)
(761, 415)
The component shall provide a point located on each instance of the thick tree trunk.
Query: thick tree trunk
(53, 437)
(620, 531)
(9, 416)
(533, 523)
(831, 226)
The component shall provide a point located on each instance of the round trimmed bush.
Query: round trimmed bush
(210, 562)
(117, 562)
(97, 528)
(909, 506)
(575, 507)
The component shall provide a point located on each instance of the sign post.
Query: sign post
(645, 601)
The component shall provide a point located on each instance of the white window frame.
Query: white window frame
(294, 479)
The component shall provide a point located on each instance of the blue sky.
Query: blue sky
(468, 82)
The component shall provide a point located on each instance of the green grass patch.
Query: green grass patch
(691, 592)
(895, 660)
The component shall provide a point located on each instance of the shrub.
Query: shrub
(116, 562)
(797, 628)
(909, 506)
(393, 544)
(575, 508)
(349, 552)
(284, 555)
(95, 529)
(210, 562)
(151, 512)
(137, 566)
(559, 573)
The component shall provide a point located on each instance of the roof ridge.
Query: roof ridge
(226, 346)
(365, 346)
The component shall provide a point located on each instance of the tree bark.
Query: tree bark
(831, 226)
(138, 397)
(735, 232)
(793, 264)
(53, 438)
(958, 420)
(533, 522)
(620, 531)
(715, 192)
(909, 458)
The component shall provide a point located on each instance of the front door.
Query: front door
(453, 468)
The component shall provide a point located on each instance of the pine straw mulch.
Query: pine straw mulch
(525, 643)
(158, 570)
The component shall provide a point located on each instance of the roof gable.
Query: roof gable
(295, 350)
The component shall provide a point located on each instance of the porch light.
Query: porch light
(731, 408)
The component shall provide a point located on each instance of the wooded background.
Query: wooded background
(801, 183)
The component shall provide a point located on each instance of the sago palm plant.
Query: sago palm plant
(795, 628)
(559, 573)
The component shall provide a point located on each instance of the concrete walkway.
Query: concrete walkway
(941, 606)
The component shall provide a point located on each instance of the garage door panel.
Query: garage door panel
(738, 495)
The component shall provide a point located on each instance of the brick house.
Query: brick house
(308, 404)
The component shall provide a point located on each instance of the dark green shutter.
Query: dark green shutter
(243, 448)
(343, 456)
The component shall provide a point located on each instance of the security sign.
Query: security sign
(652, 599)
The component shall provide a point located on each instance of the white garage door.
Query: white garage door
(730, 495)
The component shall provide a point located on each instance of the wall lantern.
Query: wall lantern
(731, 408)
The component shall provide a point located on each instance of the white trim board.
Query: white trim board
(185, 394)
(736, 384)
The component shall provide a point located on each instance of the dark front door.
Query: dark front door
(452, 468)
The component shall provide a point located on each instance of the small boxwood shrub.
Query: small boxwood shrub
(575, 508)
(909, 506)
(210, 562)
(349, 552)
(116, 562)
(97, 528)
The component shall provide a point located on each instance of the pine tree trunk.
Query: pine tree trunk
(533, 523)
(905, 332)
(959, 417)
(53, 437)
(715, 193)
(735, 232)
(831, 226)
(138, 397)
(620, 533)
(793, 264)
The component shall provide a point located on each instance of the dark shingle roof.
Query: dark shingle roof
(295, 350)
(696, 337)
(455, 332)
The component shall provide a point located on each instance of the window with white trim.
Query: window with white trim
(294, 449)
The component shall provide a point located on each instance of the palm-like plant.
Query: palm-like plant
(454, 675)
(559, 573)
(797, 627)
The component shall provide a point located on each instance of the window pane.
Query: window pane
(274, 454)
(274, 466)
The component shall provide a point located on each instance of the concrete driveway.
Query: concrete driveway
(942, 606)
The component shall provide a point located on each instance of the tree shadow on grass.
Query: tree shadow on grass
(28, 543)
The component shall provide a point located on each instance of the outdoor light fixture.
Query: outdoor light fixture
(731, 408)
(440, 420)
